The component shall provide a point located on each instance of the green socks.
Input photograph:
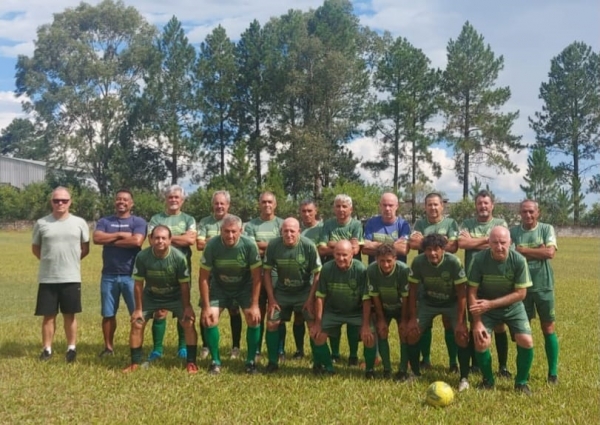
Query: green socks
(414, 352)
(261, 333)
(334, 342)
(404, 357)
(299, 332)
(252, 340)
(524, 361)
(501, 348)
(384, 352)
(212, 338)
(159, 327)
(136, 355)
(282, 335)
(323, 356)
(451, 346)
(425, 345)
(192, 352)
(353, 334)
(272, 338)
(180, 336)
(369, 353)
(551, 346)
(235, 321)
(464, 356)
(485, 364)
(316, 362)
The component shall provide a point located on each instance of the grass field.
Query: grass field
(95, 391)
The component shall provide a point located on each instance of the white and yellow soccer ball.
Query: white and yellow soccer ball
(439, 394)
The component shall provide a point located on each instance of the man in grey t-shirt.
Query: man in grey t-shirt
(60, 240)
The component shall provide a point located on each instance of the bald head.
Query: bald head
(499, 243)
(342, 254)
(290, 231)
(499, 232)
(388, 205)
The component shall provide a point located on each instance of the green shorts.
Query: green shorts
(150, 305)
(395, 314)
(426, 314)
(543, 303)
(331, 324)
(514, 316)
(230, 299)
(290, 303)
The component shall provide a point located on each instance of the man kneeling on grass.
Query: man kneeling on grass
(342, 298)
(167, 278)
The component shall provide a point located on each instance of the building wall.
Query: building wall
(19, 173)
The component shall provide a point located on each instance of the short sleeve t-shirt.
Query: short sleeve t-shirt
(295, 265)
(343, 291)
(477, 229)
(231, 267)
(378, 231)
(163, 276)
(389, 288)
(437, 281)
(115, 259)
(263, 231)
(496, 279)
(447, 227)
(60, 247)
(333, 231)
(179, 224)
(209, 227)
(313, 233)
(542, 275)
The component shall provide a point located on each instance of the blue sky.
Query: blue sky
(527, 33)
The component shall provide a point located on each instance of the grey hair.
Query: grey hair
(537, 207)
(224, 193)
(343, 198)
(308, 202)
(231, 219)
(175, 188)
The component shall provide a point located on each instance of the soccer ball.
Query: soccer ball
(439, 394)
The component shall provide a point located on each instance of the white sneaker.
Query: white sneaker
(204, 353)
(235, 353)
(463, 385)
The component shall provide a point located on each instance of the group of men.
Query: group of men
(273, 269)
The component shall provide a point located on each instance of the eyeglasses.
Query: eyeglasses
(60, 201)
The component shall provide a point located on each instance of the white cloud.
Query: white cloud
(10, 108)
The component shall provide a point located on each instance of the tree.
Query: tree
(217, 74)
(170, 100)
(20, 139)
(85, 72)
(474, 127)
(540, 177)
(569, 122)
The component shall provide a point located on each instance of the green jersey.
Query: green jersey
(541, 272)
(439, 280)
(343, 291)
(295, 265)
(231, 267)
(496, 279)
(312, 233)
(179, 224)
(163, 276)
(389, 288)
(209, 227)
(477, 229)
(333, 231)
(446, 227)
(263, 231)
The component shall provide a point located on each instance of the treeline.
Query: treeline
(132, 106)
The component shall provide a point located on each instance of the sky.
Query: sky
(528, 34)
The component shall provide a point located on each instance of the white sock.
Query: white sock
(48, 349)
(70, 347)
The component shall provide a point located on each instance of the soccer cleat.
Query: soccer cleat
(298, 355)
(182, 353)
(453, 368)
(45, 355)
(553, 379)
(523, 388)
(387, 374)
(214, 369)
(272, 368)
(71, 356)
(363, 365)
(475, 369)
(370, 374)
(251, 368)
(352, 361)
(504, 372)
(485, 385)
(204, 353)
(154, 355)
(318, 369)
(106, 353)
(335, 358)
(425, 365)
(463, 385)
(401, 376)
(131, 368)
(192, 368)
(235, 353)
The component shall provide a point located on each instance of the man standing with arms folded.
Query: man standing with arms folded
(209, 227)
(183, 236)
(122, 236)
(537, 243)
(60, 241)
(473, 237)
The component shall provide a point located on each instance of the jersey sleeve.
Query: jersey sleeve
(414, 274)
(372, 283)
(190, 224)
(102, 225)
(550, 236)
(140, 227)
(139, 268)
(85, 231)
(522, 277)
(453, 231)
(269, 260)
(324, 235)
(183, 272)
(404, 230)
(202, 231)
(357, 233)
(253, 256)
(206, 262)
(460, 276)
(314, 262)
(474, 273)
(250, 231)
(154, 221)
(36, 237)
(403, 281)
(369, 229)
(322, 288)
(362, 281)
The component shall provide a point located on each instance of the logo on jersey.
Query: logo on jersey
(445, 275)
(300, 258)
(461, 273)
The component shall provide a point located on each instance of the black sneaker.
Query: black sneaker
(352, 361)
(45, 355)
(453, 368)
(318, 369)
(475, 369)
(251, 368)
(425, 365)
(272, 368)
(335, 358)
(214, 369)
(71, 356)
(298, 355)
(401, 376)
(552, 379)
(485, 385)
(503, 372)
(370, 374)
(106, 353)
(523, 388)
(387, 374)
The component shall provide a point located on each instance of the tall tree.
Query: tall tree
(474, 127)
(170, 100)
(86, 69)
(217, 74)
(21, 139)
(569, 122)
(540, 177)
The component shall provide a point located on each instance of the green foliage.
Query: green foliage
(273, 182)
(199, 204)
(569, 123)
(479, 134)
(592, 217)
(365, 199)
(35, 201)
(541, 178)
(559, 211)
(146, 204)
(10, 203)
(463, 209)
(21, 140)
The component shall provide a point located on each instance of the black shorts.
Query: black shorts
(52, 296)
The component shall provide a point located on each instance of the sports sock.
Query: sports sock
(261, 334)
(282, 334)
(414, 352)
(71, 347)
(334, 342)
(299, 332)
(213, 337)
(313, 352)
(384, 352)
(369, 353)
(352, 332)
(203, 336)
(425, 345)
(464, 356)
(472, 350)
(524, 361)
(485, 364)
(192, 352)
(136, 355)
(252, 340)
(551, 346)
(324, 356)
(404, 357)
(451, 346)
(235, 321)
(180, 336)
(501, 348)
(272, 338)
(159, 327)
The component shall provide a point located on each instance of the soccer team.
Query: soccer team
(274, 270)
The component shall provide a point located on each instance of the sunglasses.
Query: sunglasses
(60, 201)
